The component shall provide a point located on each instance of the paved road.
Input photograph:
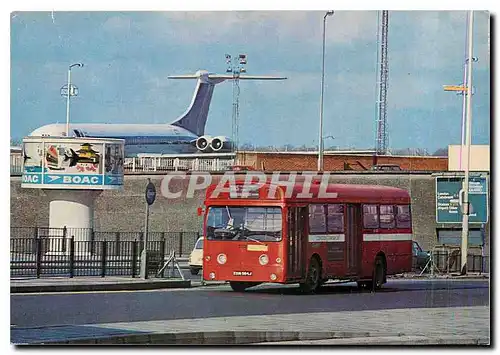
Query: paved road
(218, 301)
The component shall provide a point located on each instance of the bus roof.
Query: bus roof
(353, 193)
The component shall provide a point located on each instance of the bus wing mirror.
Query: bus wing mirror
(200, 211)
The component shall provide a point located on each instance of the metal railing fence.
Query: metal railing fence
(448, 262)
(181, 242)
(140, 164)
(42, 257)
(41, 251)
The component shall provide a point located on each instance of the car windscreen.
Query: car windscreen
(199, 244)
(260, 224)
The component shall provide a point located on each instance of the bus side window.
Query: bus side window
(370, 216)
(387, 219)
(317, 219)
(335, 218)
(403, 216)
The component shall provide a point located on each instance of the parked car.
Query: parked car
(421, 256)
(386, 167)
(196, 257)
(242, 168)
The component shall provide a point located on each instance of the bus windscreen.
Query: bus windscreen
(259, 224)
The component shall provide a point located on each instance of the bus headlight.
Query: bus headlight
(221, 259)
(211, 275)
(273, 277)
(278, 260)
(207, 258)
(263, 259)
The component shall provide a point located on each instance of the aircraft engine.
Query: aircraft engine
(221, 144)
(203, 144)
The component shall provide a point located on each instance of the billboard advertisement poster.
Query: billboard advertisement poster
(73, 158)
(72, 163)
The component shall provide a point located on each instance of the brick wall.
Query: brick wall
(309, 162)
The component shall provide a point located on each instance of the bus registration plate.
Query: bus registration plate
(242, 273)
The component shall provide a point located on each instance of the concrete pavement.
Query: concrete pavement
(112, 283)
(405, 340)
(438, 325)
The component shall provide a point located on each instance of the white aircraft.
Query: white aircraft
(184, 135)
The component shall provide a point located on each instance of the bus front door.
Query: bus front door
(354, 238)
(296, 242)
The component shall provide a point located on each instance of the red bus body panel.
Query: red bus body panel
(394, 244)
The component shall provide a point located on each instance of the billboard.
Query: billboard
(479, 158)
(448, 209)
(72, 163)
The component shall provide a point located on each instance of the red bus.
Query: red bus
(358, 233)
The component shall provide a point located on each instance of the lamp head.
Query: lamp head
(329, 13)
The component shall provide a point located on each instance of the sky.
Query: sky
(127, 57)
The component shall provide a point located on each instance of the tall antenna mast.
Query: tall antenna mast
(381, 139)
(236, 69)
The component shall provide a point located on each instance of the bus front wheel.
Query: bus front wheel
(313, 278)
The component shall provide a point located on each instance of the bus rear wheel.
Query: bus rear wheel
(378, 274)
(378, 277)
(313, 279)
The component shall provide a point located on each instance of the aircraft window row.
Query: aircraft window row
(153, 140)
(386, 216)
(328, 218)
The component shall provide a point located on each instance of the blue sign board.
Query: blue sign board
(76, 180)
(113, 179)
(448, 209)
(73, 179)
(32, 178)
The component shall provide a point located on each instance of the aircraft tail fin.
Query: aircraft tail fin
(195, 118)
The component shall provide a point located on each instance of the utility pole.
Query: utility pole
(468, 136)
(236, 70)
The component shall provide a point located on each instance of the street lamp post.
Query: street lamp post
(320, 153)
(466, 207)
(69, 93)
